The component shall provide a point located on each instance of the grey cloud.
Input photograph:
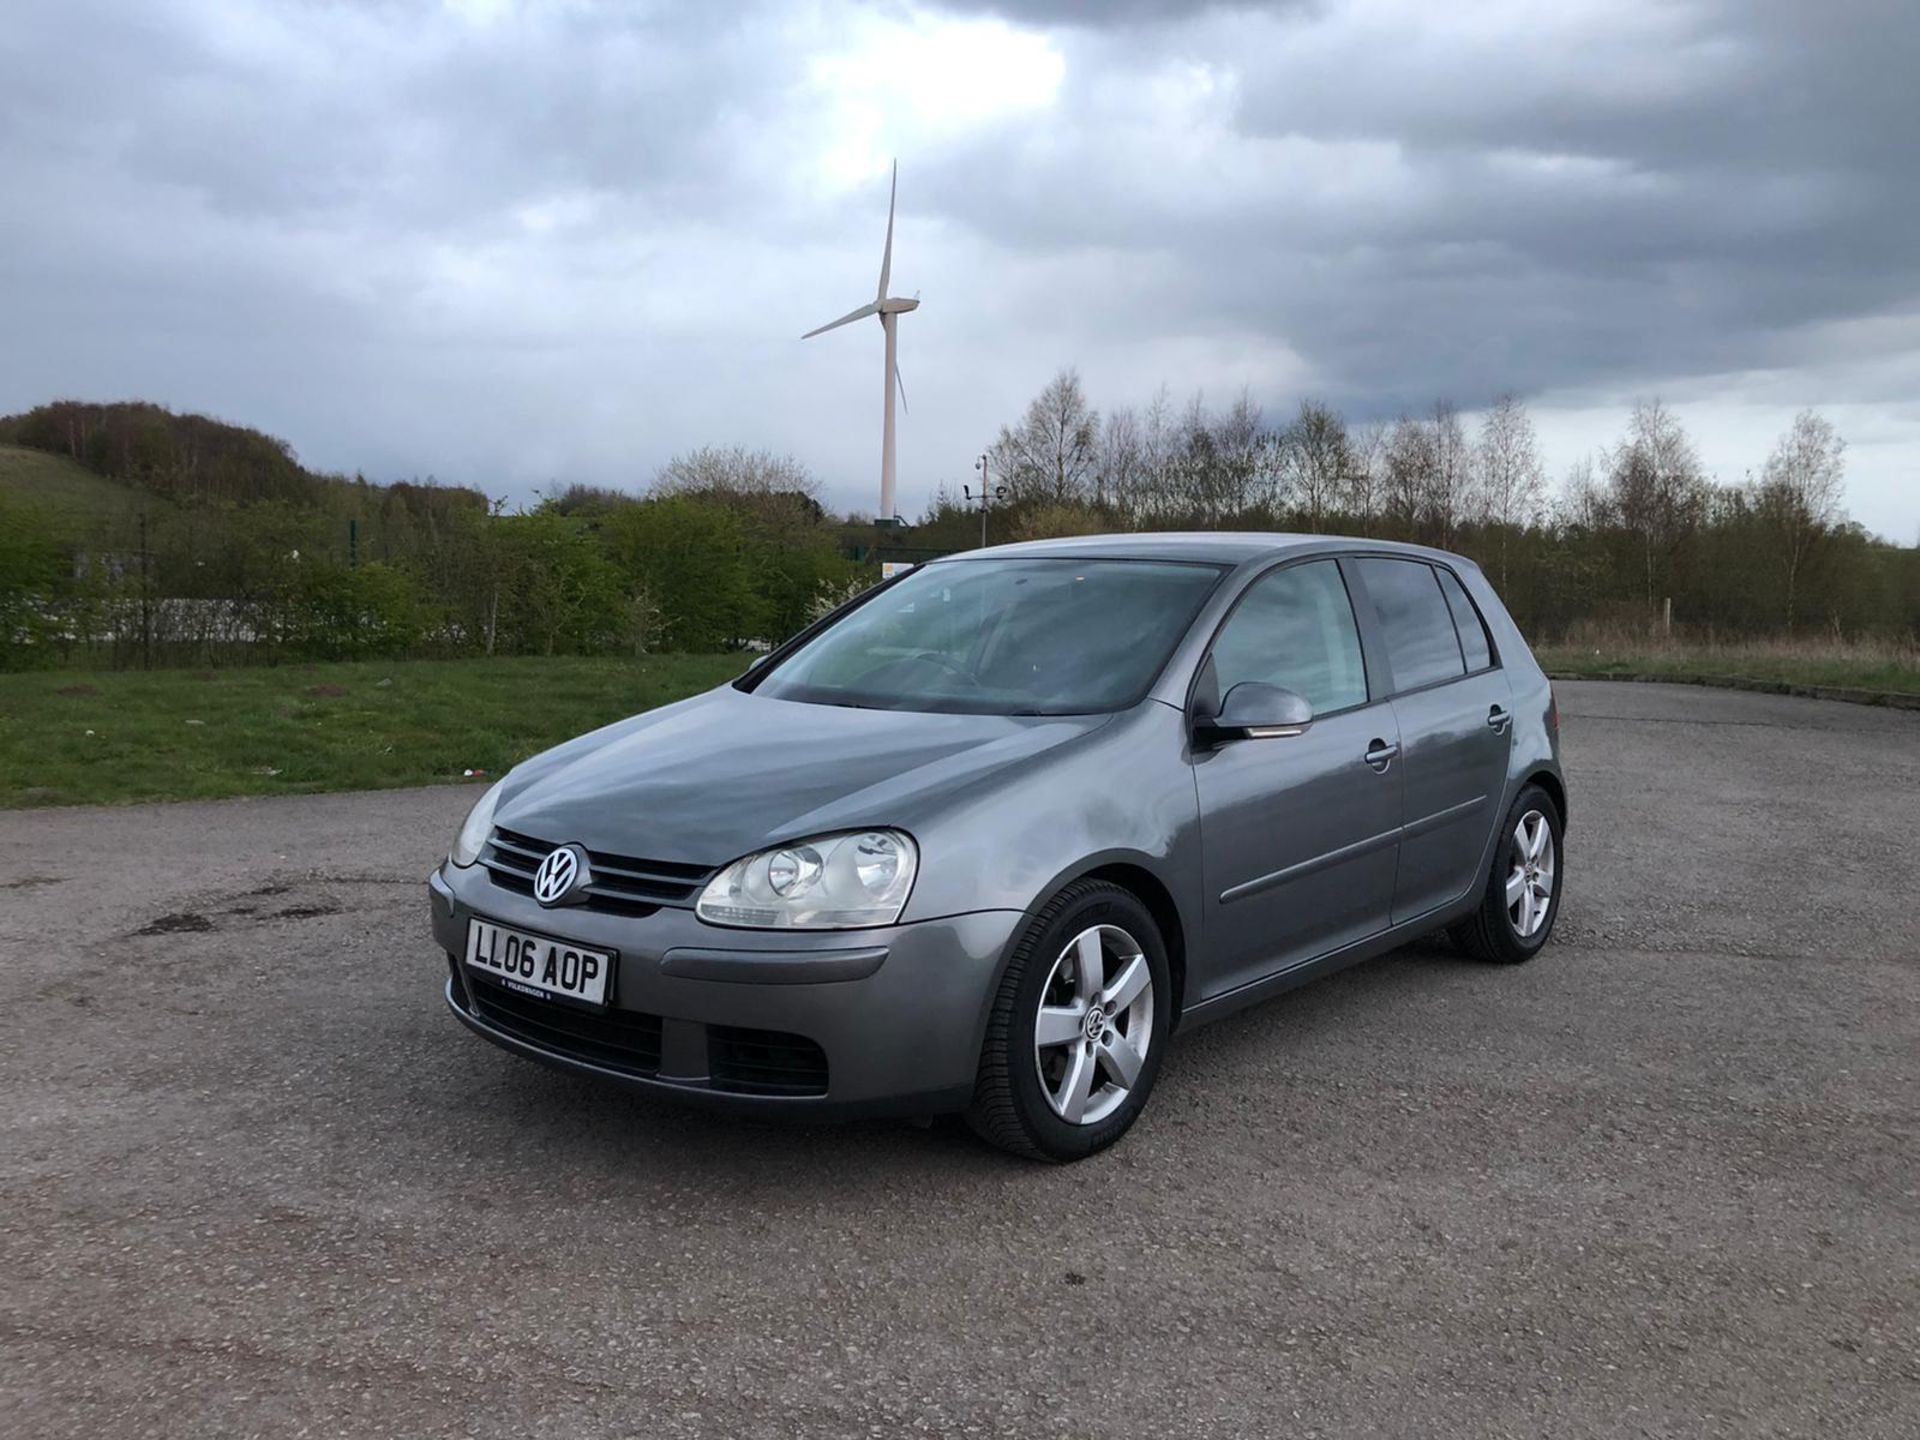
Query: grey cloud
(299, 214)
(1557, 219)
(1103, 14)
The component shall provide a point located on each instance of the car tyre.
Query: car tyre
(1524, 885)
(1026, 1086)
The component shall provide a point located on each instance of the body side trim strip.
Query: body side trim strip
(1310, 866)
(1415, 828)
(1353, 851)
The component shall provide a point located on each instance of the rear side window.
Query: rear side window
(1415, 621)
(1474, 643)
(1294, 628)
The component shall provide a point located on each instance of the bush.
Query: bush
(353, 614)
(692, 560)
(554, 590)
(32, 569)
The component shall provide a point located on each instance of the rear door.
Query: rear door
(1298, 832)
(1454, 708)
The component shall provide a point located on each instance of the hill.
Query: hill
(74, 502)
(89, 470)
(196, 460)
(184, 456)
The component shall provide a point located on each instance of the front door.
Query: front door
(1298, 832)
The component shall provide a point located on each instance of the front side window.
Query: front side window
(1015, 636)
(1415, 621)
(1294, 628)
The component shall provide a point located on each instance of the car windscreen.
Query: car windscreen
(1008, 636)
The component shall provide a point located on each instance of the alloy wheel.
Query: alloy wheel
(1094, 1024)
(1530, 872)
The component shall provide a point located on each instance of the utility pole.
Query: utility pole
(988, 494)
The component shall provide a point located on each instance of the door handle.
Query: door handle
(1497, 720)
(1380, 754)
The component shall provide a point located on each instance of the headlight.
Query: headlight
(835, 882)
(473, 834)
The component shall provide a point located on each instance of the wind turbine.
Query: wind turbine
(888, 308)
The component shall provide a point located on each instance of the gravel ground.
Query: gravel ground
(1663, 1181)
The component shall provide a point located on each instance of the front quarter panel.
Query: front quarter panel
(1123, 794)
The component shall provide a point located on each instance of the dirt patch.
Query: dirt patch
(185, 922)
(206, 675)
(78, 692)
(67, 992)
(326, 692)
(305, 912)
(30, 882)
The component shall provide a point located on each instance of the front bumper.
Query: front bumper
(898, 1014)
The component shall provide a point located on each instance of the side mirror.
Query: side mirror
(1253, 711)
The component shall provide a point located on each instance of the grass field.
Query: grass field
(86, 737)
(71, 738)
(75, 500)
(1862, 665)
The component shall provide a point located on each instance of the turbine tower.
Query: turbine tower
(889, 308)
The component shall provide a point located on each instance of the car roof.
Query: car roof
(1219, 547)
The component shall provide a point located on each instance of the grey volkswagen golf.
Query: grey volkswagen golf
(983, 839)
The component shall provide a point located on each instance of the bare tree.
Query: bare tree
(1159, 442)
(1195, 477)
(1798, 497)
(1512, 480)
(1053, 454)
(1365, 482)
(1237, 431)
(1315, 460)
(733, 471)
(1583, 502)
(776, 492)
(1244, 451)
(1449, 500)
(1123, 461)
(1406, 471)
(1655, 485)
(1221, 464)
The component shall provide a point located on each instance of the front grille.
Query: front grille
(764, 1062)
(623, 1040)
(622, 884)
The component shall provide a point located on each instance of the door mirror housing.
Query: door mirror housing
(1253, 711)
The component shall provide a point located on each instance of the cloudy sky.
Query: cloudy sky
(511, 243)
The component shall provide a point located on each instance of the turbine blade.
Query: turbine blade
(903, 387)
(886, 256)
(846, 319)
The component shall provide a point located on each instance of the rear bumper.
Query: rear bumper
(898, 1014)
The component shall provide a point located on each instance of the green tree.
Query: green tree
(339, 613)
(694, 561)
(557, 591)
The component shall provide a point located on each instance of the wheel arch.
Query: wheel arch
(1152, 892)
(1556, 788)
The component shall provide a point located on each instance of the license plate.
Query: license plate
(538, 964)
